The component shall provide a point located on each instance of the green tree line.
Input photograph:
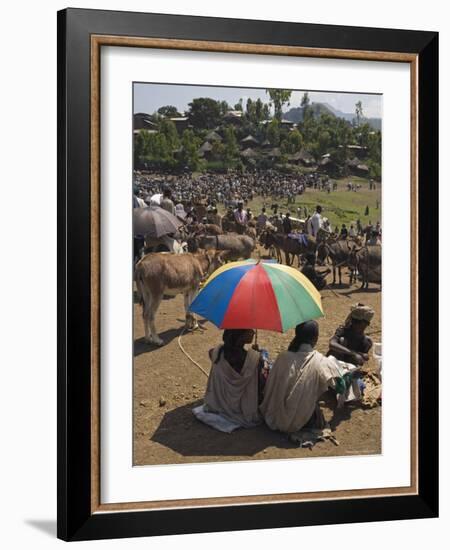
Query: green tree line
(318, 135)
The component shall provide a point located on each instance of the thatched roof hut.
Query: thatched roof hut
(302, 157)
(249, 153)
(274, 153)
(249, 141)
(363, 169)
(142, 121)
(205, 149)
(213, 136)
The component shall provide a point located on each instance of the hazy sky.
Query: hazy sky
(149, 97)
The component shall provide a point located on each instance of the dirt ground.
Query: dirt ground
(167, 386)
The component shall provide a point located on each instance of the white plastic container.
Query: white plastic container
(377, 355)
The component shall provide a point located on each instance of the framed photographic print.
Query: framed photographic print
(247, 290)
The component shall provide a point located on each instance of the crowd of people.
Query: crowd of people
(230, 188)
(182, 193)
(247, 389)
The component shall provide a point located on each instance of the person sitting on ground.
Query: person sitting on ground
(349, 342)
(296, 381)
(236, 381)
(318, 278)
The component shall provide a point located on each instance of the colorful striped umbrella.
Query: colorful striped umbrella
(259, 295)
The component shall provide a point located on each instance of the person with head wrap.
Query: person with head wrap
(349, 342)
(296, 381)
(236, 379)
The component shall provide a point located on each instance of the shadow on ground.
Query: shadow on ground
(141, 346)
(357, 290)
(180, 431)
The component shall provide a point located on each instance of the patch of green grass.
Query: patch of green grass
(339, 206)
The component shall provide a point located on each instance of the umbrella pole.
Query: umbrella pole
(256, 339)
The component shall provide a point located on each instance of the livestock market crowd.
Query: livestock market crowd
(244, 387)
(228, 188)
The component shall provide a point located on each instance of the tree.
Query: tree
(204, 112)
(273, 132)
(305, 105)
(231, 145)
(169, 130)
(189, 154)
(279, 97)
(293, 143)
(238, 105)
(251, 110)
(141, 146)
(218, 150)
(259, 111)
(363, 134)
(168, 111)
(358, 112)
(224, 107)
(323, 142)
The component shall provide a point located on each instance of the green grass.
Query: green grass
(339, 206)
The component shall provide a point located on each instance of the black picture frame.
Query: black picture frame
(75, 518)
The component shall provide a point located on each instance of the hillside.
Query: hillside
(295, 114)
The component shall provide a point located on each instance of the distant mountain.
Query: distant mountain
(340, 114)
(374, 122)
(295, 114)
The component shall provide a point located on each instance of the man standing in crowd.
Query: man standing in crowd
(167, 202)
(316, 221)
(368, 231)
(215, 217)
(261, 220)
(240, 217)
(287, 225)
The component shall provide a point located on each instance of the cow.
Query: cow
(367, 260)
(339, 252)
(234, 247)
(164, 274)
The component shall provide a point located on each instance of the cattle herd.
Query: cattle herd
(179, 263)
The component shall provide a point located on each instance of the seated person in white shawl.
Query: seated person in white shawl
(236, 380)
(296, 381)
